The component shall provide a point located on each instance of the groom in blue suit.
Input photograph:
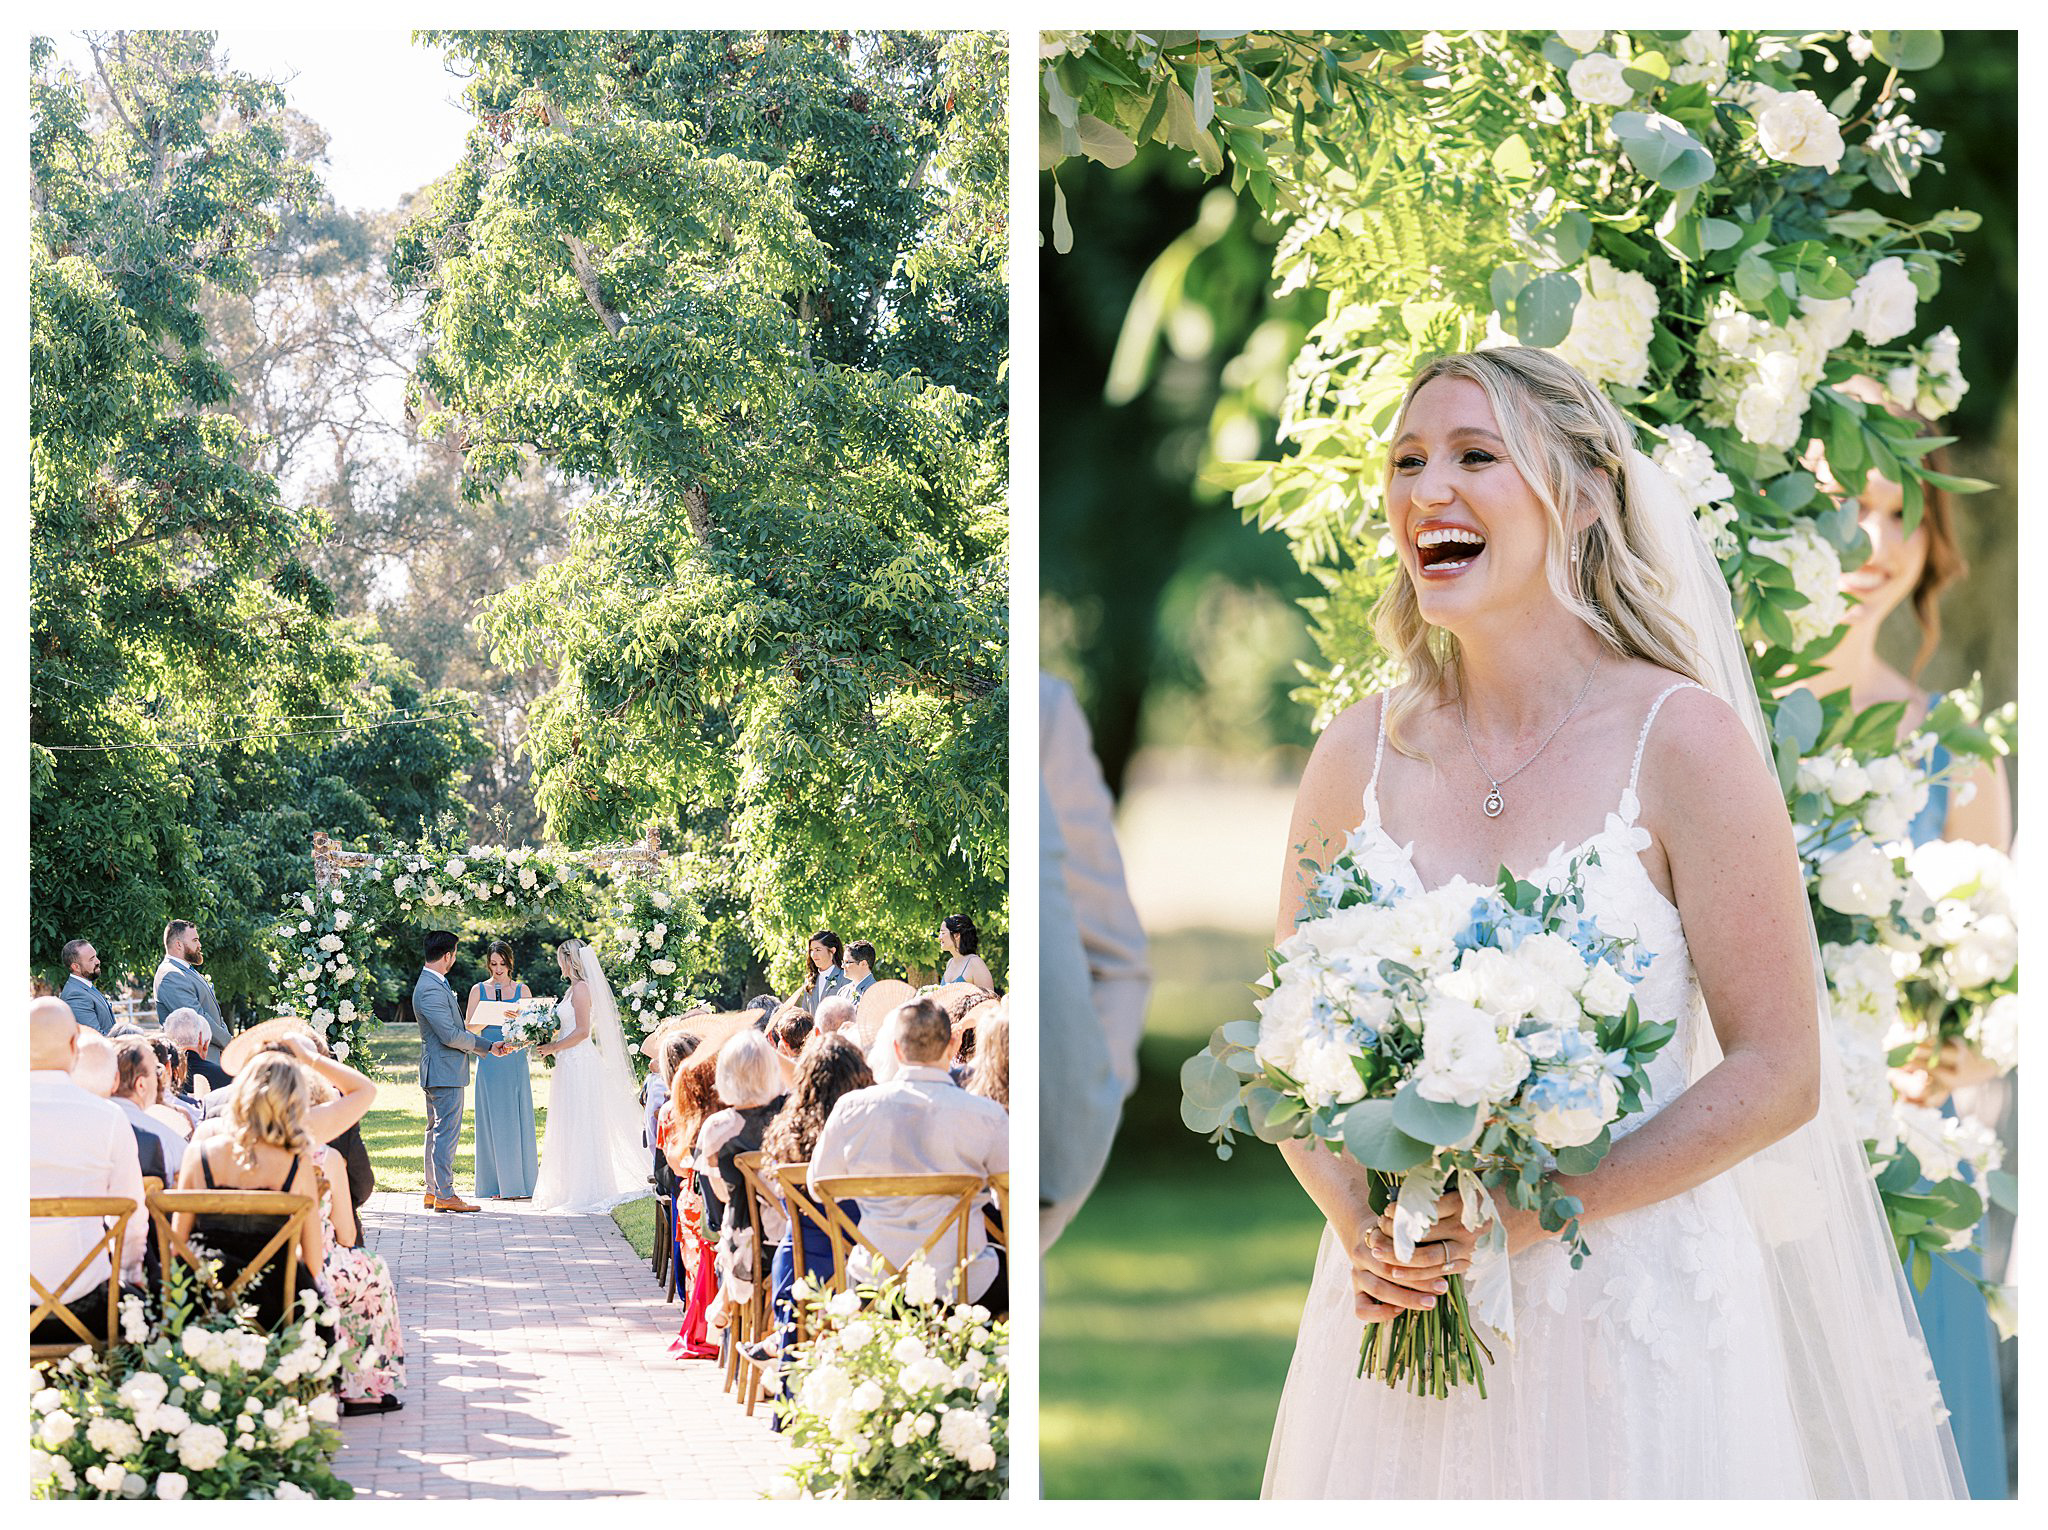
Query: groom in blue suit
(445, 1048)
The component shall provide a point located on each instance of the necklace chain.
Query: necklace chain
(1495, 804)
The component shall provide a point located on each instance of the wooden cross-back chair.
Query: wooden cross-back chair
(963, 1189)
(290, 1207)
(114, 1212)
(757, 1313)
(796, 1197)
(1000, 1184)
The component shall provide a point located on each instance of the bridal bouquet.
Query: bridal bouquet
(534, 1024)
(1470, 1039)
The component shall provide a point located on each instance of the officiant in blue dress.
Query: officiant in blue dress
(507, 1153)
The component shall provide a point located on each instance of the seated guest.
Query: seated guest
(920, 1122)
(136, 1078)
(174, 1107)
(262, 1144)
(97, 1070)
(187, 1028)
(859, 964)
(750, 1082)
(836, 1014)
(693, 1100)
(787, 1033)
(78, 1145)
(990, 1076)
(830, 1070)
(89, 1006)
(360, 1284)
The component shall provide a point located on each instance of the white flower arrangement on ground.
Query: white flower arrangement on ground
(204, 1406)
(897, 1396)
(1467, 1039)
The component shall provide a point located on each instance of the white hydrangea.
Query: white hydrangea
(1817, 574)
(1611, 328)
(1932, 384)
(1995, 1031)
(201, 1446)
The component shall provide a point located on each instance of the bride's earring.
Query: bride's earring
(1575, 552)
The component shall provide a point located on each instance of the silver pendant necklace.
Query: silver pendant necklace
(1495, 804)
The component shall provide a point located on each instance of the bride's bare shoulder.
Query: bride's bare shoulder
(1332, 789)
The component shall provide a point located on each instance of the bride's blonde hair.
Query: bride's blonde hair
(573, 949)
(1571, 446)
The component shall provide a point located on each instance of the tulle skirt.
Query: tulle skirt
(1653, 1371)
(591, 1158)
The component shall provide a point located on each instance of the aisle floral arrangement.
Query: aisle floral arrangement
(897, 1396)
(1468, 1039)
(203, 1405)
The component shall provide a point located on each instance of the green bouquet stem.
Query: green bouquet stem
(1430, 1351)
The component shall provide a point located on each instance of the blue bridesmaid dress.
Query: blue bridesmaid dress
(1960, 1337)
(507, 1156)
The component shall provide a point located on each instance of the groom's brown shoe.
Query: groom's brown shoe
(455, 1203)
(427, 1200)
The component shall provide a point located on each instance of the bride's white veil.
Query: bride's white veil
(1868, 1408)
(619, 1126)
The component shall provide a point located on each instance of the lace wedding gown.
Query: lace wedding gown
(590, 1156)
(1656, 1369)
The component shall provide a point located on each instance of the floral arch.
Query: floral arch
(632, 902)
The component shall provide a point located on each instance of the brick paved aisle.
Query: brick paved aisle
(538, 1367)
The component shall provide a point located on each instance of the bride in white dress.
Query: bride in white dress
(590, 1156)
(1740, 1328)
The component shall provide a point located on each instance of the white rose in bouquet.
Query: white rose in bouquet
(1859, 879)
(1611, 328)
(1606, 992)
(1582, 41)
(1865, 980)
(1795, 128)
(1461, 1052)
(1570, 1109)
(1885, 301)
(1596, 79)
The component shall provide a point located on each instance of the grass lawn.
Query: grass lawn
(395, 1130)
(1171, 1302)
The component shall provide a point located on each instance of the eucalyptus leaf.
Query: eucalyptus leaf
(1432, 1121)
(1540, 314)
(1208, 1082)
(1371, 1137)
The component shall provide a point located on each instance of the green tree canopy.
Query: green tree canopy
(189, 684)
(710, 273)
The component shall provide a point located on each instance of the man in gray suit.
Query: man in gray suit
(180, 984)
(860, 969)
(86, 1001)
(445, 1048)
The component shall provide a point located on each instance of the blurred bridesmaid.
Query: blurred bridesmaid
(1978, 807)
(507, 1154)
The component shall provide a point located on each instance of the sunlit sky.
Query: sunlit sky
(392, 112)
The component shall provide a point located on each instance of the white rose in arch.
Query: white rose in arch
(1796, 128)
(1596, 79)
(1885, 301)
(1582, 41)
